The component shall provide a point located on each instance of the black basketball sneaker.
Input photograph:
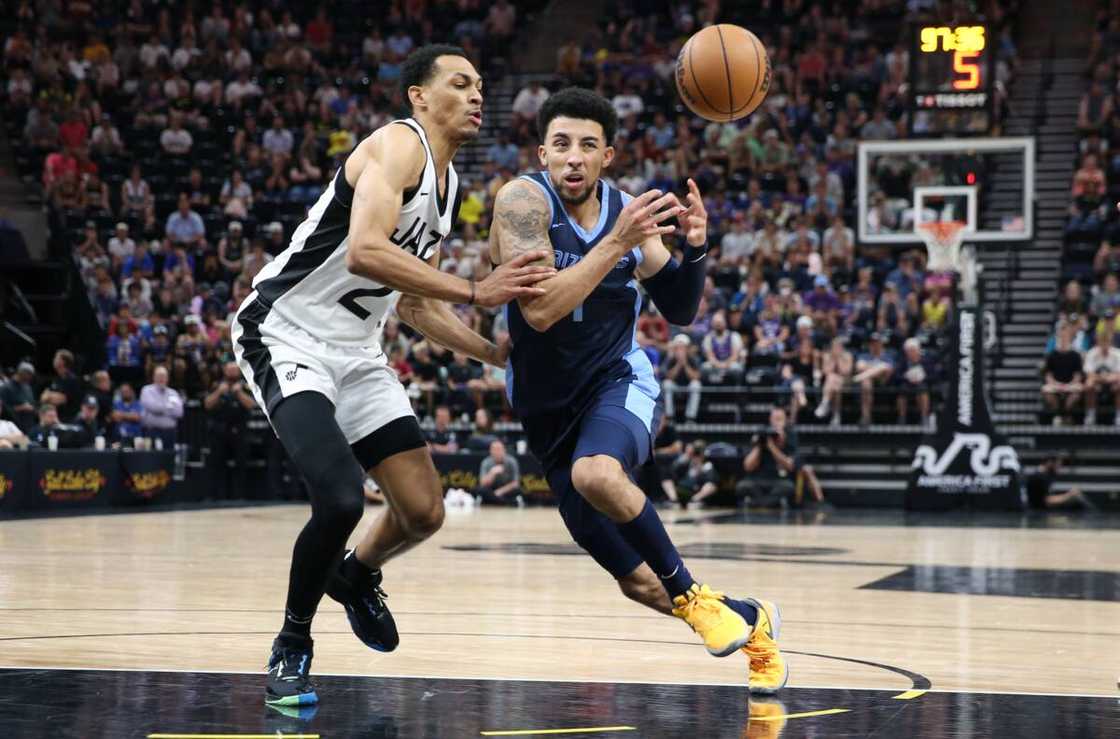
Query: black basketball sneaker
(364, 601)
(289, 665)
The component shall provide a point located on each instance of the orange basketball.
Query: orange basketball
(723, 72)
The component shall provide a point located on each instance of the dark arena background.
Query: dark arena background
(913, 271)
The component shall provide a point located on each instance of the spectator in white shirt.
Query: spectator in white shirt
(152, 51)
(10, 435)
(121, 246)
(241, 88)
(1102, 374)
(373, 47)
(176, 140)
(237, 57)
(528, 102)
(627, 102)
(737, 244)
(162, 408)
(278, 140)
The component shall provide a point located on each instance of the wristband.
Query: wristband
(693, 253)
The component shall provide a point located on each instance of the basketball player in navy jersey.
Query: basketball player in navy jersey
(307, 340)
(583, 389)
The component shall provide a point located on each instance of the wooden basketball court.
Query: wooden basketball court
(1001, 625)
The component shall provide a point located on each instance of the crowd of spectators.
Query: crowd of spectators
(1081, 369)
(178, 147)
(793, 302)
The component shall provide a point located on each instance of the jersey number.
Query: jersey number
(349, 301)
(411, 240)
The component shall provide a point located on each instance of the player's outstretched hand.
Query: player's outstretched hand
(695, 219)
(514, 279)
(645, 216)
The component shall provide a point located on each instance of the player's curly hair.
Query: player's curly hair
(420, 65)
(579, 102)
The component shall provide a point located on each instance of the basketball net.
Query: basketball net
(943, 243)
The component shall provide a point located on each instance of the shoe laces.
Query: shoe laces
(292, 664)
(374, 594)
(703, 606)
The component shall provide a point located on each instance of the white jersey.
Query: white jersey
(309, 285)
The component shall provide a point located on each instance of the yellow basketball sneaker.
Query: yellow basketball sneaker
(722, 630)
(768, 669)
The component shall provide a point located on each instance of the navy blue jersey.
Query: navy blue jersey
(595, 344)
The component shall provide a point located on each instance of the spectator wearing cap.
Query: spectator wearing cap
(162, 409)
(913, 376)
(724, 354)
(679, 370)
(87, 424)
(105, 141)
(65, 389)
(824, 304)
(185, 227)
(231, 250)
(228, 405)
(159, 349)
(873, 367)
(274, 238)
(18, 395)
(11, 436)
(121, 246)
(127, 412)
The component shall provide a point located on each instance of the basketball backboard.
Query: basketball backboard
(987, 183)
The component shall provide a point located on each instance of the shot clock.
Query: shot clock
(951, 80)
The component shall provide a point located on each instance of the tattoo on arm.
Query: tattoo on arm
(522, 218)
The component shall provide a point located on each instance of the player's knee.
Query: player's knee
(424, 520)
(594, 475)
(341, 512)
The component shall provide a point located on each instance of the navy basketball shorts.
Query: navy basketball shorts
(618, 422)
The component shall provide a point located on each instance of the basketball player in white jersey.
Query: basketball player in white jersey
(307, 340)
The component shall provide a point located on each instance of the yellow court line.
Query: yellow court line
(233, 736)
(826, 712)
(534, 732)
(908, 695)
